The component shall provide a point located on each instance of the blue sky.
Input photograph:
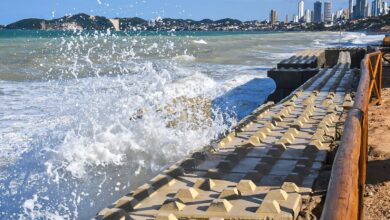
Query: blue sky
(13, 10)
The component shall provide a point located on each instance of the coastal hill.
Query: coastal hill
(87, 22)
(79, 21)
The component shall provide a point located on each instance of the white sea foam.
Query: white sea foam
(200, 42)
(184, 58)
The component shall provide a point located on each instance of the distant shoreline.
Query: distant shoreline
(85, 22)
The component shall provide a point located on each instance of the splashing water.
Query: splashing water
(87, 117)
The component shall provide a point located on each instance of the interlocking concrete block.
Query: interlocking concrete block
(113, 214)
(295, 178)
(159, 181)
(263, 167)
(226, 165)
(284, 113)
(302, 170)
(205, 184)
(142, 192)
(298, 124)
(270, 208)
(327, 102)
(308, 101)
(225, 141)
(281, 145)
(172, 205)
(276, 194)
(270, 126)
(233, 157)
(275, 119)
(291, 102)
(229, 194)
(304, 118)
(246, 187)
(293, 131)
(188, 163)
(166, 216)
(275, 152)
(290, 187)
(293, 203)
(174, 171)
(319, 135)
(253, 175)
(126, 203)
(255, 141)
(214, 173)
(313, 147)
(187, 195)
(259, 136)
(242, 151)
(220, 205)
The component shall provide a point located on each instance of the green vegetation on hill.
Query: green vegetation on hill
(126, 23)
(27, 24)
(86, 22)
(83, 21)
(372, 24)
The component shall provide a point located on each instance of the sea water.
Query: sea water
(85, 117)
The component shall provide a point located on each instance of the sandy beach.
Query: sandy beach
(377, 195)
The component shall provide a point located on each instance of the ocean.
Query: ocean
(85, 117)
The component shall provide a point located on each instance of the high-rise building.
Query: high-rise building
(295, 19)
(377, 8)
(340, 13)
(367, 10)
(317, 12)
(350, 9)
(361, 8)
(311, 15)
(374, 12)
(273, 17)
(308, 16)
(385, 8)
(301, 9)
(328, 12)
(286, 21)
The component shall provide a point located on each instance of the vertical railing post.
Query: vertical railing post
(380, 77)
(363, 162)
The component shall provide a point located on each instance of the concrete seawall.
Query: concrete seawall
(268, 166)
(295, 71)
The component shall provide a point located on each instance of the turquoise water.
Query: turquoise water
(87, 117)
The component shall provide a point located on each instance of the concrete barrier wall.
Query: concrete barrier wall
(332, 55)
(287, 80)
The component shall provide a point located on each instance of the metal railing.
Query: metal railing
(344, 199)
